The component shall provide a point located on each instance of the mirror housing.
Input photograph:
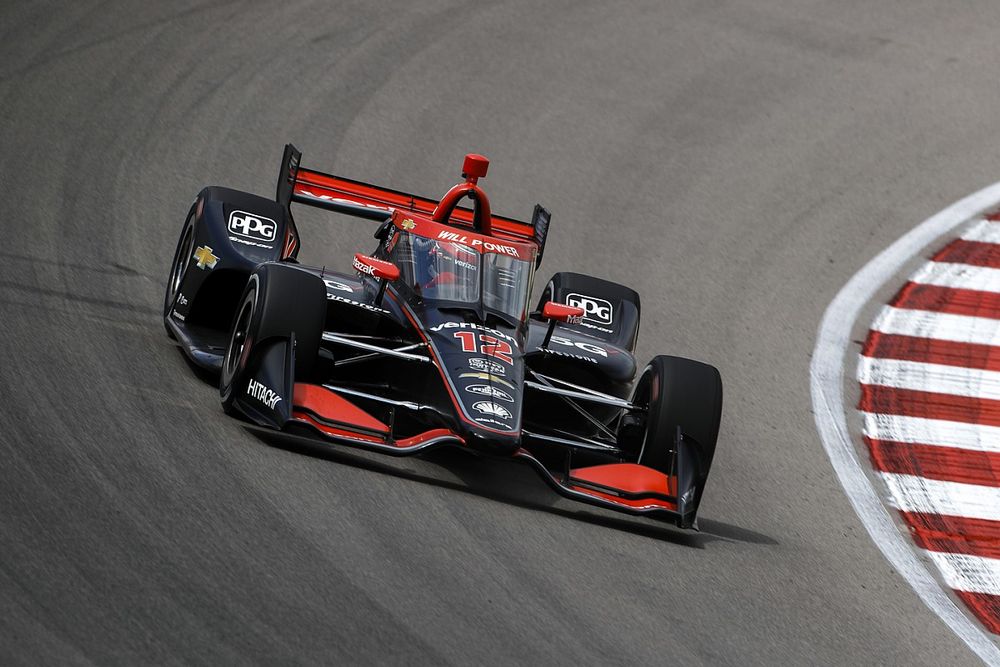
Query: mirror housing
(376, 268)
(560, 312)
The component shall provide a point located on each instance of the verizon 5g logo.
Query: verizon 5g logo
(252, 226)
(594, 309)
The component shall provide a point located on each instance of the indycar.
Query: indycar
(430, 341)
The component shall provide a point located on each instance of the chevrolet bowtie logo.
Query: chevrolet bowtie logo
(205, 257)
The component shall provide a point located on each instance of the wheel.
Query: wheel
(677, 392)
(278, 302)
(182, 258)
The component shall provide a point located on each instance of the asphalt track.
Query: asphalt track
(734, 162)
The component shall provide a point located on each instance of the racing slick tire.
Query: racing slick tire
(182, 258)
(279, 301)
(678, 392)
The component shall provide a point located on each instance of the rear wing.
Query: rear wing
(373, 202)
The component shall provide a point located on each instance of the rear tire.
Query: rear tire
(678, 392)
(279, 301)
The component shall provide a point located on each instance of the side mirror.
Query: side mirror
(377, 268)
(560, 312)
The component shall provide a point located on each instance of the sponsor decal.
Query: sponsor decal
(363, 268)
(182, 300)
(344, 202)
(178, 315)
(560, 353)
(265, 395)
(486, 377)
(588, 325)
(408, 224)
(586, 347)
(487, 366)
(205, 258)
(337, 286)
(492, 392)
(486, 246)
(595, 310)
(492, 409)
(236, 239)
(471, 325)
(252, 226)
(494, 422)
(366, 306)
(490, 346)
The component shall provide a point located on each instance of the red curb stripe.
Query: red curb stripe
(975, 253)
(915, 296)
(985, 607)
(931, 351)
(948, 464)
(929, 405)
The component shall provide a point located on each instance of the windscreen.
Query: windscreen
(448, 271)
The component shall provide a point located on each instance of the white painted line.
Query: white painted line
(943, 326)
(919, 376)
(984, 231)
(827, 386)
(958, 276)
(936, 432)
(973, 574)
(934, 496)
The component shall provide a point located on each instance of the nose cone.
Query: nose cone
(485, 371)
(491, 442)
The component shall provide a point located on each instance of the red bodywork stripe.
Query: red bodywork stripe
(372, 195)
(916, 296)
(626, 477)
(329, 405)
(932, 351)
(944, 463)
(929, 405)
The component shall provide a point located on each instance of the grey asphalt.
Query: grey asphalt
(735, 162)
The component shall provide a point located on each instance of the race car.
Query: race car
(430, 341)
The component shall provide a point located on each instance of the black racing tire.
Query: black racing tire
(679, 392)
(178, 267)
(279, 300)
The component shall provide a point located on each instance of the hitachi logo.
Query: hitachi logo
(266, 396)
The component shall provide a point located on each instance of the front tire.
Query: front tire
(279, 302)
(678, 392)
(179, 266)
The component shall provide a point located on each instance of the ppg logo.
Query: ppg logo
(252, 226)
(594, 309)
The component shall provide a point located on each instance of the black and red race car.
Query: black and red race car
(430, 342)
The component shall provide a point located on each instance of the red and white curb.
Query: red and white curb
(930, 396)
(930, 414)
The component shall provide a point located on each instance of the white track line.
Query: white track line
(983, 231)
(936, 432)
(974, 574)
(934, 496)
(937, 378)
(943, 326)
(827, 385)
(958, 276)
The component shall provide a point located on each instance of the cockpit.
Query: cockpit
(455, 273)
